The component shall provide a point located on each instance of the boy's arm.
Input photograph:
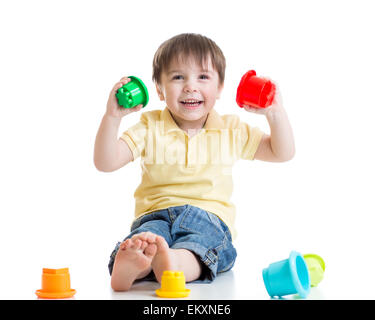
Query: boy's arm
(279, 145)
(110, 152)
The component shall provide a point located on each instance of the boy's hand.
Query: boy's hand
(276, 104)
(113, 108)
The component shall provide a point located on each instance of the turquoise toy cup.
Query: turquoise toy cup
(288, 276)
(132, 94)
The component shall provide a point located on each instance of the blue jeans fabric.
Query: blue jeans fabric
(191, 228)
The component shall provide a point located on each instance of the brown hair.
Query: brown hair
(188, 45)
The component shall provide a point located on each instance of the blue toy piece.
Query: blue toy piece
(288, 276)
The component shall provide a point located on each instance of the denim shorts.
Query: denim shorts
(191, 228)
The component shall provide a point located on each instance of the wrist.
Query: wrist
(111, 118)
(274, 113)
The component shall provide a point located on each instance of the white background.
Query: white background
(59, 60)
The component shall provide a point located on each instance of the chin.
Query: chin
(192, 115)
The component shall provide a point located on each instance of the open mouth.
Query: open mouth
(191, 103)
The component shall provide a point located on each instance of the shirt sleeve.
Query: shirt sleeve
(250, 139)
(135, 137)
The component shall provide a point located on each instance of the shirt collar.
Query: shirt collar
(213, 122)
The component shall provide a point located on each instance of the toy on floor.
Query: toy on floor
(173, 285)
(288, 276)
(316, 267)
(132, 94)
(55, 284)
(255, 91)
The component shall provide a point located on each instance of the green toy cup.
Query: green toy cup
(316, 267)
(132, 94)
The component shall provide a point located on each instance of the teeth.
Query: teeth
(190, 101)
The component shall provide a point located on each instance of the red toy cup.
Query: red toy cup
(255, 91)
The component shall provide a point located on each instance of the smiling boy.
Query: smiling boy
(184, 219)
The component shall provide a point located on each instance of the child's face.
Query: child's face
(189, 90)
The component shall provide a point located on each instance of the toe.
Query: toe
(161, 243)
(146, 236)
(126, 244)
(144, 245)
(137, 244)
(151, 237)
(150, 251)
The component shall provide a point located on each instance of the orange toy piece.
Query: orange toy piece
(55, 284)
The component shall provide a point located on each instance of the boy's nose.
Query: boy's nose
(190, 87)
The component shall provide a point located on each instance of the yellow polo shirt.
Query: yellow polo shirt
(196, 170)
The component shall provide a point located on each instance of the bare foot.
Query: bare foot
(175, 259)
(163, 259)
(133, 261)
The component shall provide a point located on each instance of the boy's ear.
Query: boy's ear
(160, 92)
(220, 89)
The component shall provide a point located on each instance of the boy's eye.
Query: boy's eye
(177, 77)
(203, 76)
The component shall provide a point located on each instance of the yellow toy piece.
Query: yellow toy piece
(173, 285)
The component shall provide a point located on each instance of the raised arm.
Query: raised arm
(110, 152)
(279, 145)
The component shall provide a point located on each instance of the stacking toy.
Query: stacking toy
(55, 284)
(132, 94)
(173, 285)
(288, 276)
(255, 91)
(316, 267)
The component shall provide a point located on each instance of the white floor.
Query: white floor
(343, 279)
(242, 282)
(226, 287)
(345, 275)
